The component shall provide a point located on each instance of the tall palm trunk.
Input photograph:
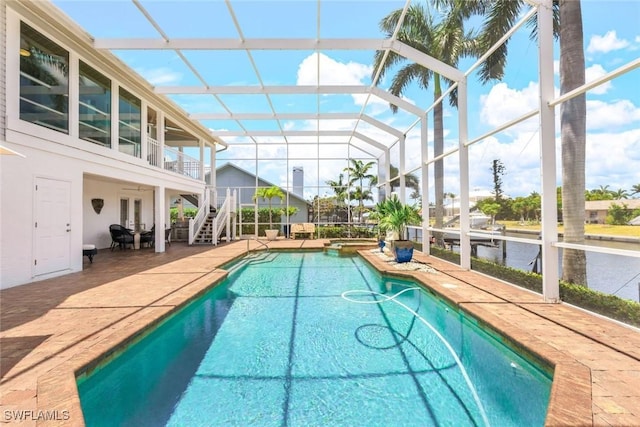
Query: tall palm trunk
(438, 167)
(573, 128)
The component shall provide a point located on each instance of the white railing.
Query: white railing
(226, 214)
(196, 223)
(153, 152)
(174, 160)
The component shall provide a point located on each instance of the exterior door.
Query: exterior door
(52, 226)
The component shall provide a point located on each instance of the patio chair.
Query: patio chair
(120, 236)
(148, 237)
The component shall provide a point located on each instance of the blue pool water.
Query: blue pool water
(306, 339)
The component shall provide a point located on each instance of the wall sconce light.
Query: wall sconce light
(97, 205)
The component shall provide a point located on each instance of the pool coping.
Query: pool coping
(581, 394)
(572, 393)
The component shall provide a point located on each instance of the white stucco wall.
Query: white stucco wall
(96, 226)
(17, 219)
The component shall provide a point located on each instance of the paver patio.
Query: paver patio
(53, 328)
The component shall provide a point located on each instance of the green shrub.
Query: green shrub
(248, 220)
(330, 232)
(188, 213)
(611, 306)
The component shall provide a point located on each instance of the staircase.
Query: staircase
(205, 235)
(207, 226)
(191, 198)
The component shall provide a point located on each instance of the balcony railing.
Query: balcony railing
(174, 160)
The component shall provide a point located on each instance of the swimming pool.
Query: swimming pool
(302, 339)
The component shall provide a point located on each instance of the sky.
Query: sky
(611, 39)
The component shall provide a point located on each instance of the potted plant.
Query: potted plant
(393, 217)
(268, 193)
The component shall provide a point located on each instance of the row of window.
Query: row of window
(44, 95)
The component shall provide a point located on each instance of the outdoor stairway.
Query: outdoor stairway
(205, 236)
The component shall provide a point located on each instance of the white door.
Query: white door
(52, 226)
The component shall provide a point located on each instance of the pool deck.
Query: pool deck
(51, 329)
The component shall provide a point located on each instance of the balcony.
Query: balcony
(174, 160)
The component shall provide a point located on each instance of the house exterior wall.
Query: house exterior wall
(245, 185)
(3, 78)
(89, 170)
(96, 226)
(596, 210)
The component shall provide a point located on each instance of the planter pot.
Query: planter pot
(381, 245)
(271, 234)
(403, 250)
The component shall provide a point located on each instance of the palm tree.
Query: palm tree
(445, 41)
(340, 190)
(358, 172)
(635, 189)
(620, 194)
(573, 117)
(268, 193)
(501, 15)
(410, 180)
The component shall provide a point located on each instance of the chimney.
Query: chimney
(298, 181)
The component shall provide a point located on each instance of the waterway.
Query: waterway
(612, 274)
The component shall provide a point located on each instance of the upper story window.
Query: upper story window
(129, 120)
(44, 81)
(95, 106)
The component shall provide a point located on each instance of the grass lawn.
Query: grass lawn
(599, 229)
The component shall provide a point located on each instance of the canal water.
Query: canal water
(612, 274)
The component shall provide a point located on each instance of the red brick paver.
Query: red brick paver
(50, 330)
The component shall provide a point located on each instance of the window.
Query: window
(130, 135)
(44, 81)
(124, 212)
(95, 106)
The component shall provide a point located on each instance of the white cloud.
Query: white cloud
(608, 158)
(594, 72)
(160, 76)
(332, 72)
(502, 104)
(610, 155)
(607, 43)
(603, 115)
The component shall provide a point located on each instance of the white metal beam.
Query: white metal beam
(463, 160)
(285, 132)
(240, 44)
(426, 61)
(272, 116)
(371, 141)
(298, 116)
(261, 90)
(549, 235)
(397, 101)
(382, 126)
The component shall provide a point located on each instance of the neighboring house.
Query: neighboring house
(235, 178)
(101, 147)
(596, 210)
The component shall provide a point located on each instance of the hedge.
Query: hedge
(611, 306)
